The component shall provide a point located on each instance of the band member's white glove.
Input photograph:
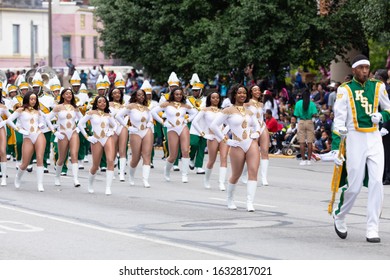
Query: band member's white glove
(92, 139)
(254, 135)
(23, 132)
(208, 137)
(132, 129)
(2, 123)
(384, 131)
(59, 135)
(232, 143)
(110, 133)
(150, 124)
(167, 124)
(338, 160)
(376, 118)
(41, 125)
(343, 131)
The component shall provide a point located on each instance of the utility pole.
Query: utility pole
(50, 62)
(32, 57)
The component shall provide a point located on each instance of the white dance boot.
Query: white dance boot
(75, 171)
(40, 178)
(131, 176)
(145, 175)
(244, 175)
(109, 178)
(264, 171)
(206, 179)
(184, 170)
(122, 167)
(251, 187)
(222, 178)
(230, 194)
(18, 177)
(167, 171)
(91, 178)
(57, 176)
(4, 172)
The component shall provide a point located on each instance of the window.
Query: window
(82, 47)
(82, 21)
(16, 38)
(66, 47)
(35, 38)
(95, 47)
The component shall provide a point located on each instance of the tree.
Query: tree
(210, 37)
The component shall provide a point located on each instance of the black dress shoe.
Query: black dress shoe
(342, 235)
(373, 239)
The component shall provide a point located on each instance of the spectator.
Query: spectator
(83, 77)
(111, 77)
(71, 67)
(92, 77)
(102, 70)
(270, 103)
(332, 96)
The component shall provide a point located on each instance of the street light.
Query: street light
(50, 37)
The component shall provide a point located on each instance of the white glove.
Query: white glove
(77, 130)
(23, 132)
(209, 137)
(376, 118)
(150, 124)
(338, 160)
(384, 131)
(254, 135)
(92, 139)
(343, 131)
(41, 125)
(232, 143)
(59, 135)
(164, 116)
(2, 123)
(167, 124)
(132, 129)
(110, 133)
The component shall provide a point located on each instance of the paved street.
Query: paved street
(176, 221)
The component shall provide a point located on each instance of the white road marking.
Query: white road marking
(17, 226)
(135, 236)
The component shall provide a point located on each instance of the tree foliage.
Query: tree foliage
(210, 37)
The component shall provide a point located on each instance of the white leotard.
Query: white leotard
(67, 117)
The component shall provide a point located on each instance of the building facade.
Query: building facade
(24, 34)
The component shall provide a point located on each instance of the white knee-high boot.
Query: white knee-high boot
(145, 175)
(230, 195)
(222, 178)
(18, 177)
(132, 172)
(184, 170)
(58, 174)
(109, 178)
(122, 167)
(167, 170)
(244, 175)
(4, 172)
(206, 180)
(40, 178)
(264, 170)
(251, 187)
(75, 171)
(91, 178)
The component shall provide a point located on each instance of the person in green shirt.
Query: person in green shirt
(305, 109)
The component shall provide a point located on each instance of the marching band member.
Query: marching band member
(256, 106)
(3, 138)
(120, 136)
(173, 82)
(244, 148)
(11, 92)
(67, 114)
(175, 110)
(103, 127)
(141, 134)
(30, 121)
(201, 124)
(197, 142)
(82, 99)
(46, 103)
